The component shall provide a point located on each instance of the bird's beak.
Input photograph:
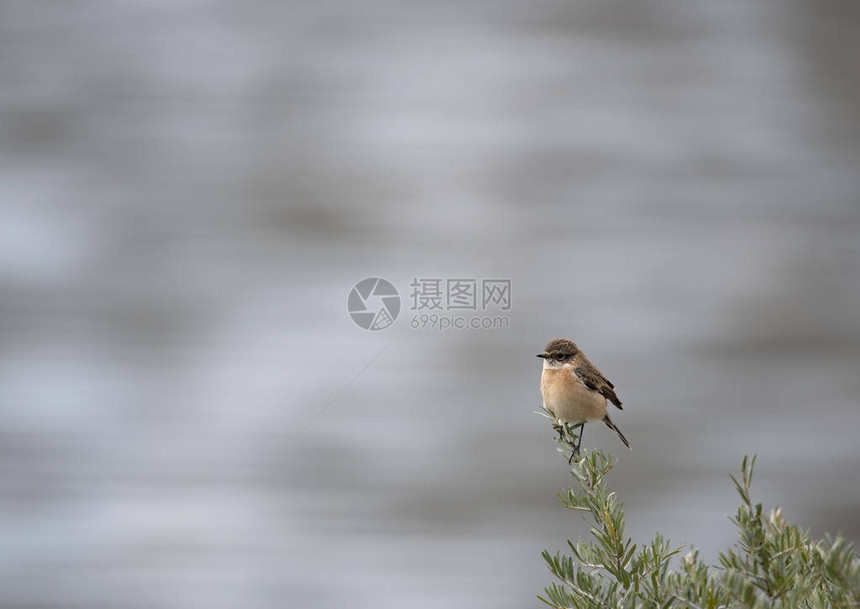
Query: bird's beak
(542, 355)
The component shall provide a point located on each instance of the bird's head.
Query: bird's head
(558, 352)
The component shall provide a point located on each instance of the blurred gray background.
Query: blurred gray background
(190, 418)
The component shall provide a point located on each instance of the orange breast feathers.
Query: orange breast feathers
(569, 399)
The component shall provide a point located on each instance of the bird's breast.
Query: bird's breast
(569, 399)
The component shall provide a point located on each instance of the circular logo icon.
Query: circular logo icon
(374, 303)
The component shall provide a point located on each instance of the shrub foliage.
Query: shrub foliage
(773, 564)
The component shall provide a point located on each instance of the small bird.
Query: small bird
(573, 390)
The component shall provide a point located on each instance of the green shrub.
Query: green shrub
(773, 564)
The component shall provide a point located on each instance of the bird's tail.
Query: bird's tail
(614, 428)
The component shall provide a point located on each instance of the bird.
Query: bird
(574, 391)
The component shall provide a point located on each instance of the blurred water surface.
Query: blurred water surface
(191, 419)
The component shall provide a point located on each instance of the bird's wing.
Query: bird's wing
(591, 378)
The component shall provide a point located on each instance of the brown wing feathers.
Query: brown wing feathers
(597, 382)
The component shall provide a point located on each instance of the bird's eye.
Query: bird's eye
(561, 357)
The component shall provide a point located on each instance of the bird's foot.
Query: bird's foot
(577, 445)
